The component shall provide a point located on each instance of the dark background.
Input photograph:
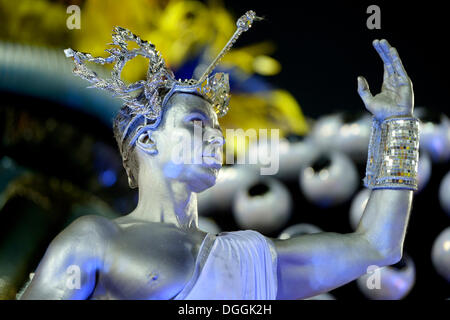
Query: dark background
(322, 47)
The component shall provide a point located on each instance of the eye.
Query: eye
(197, 119)
(198, 122)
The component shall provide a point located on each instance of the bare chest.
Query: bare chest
(147, 262)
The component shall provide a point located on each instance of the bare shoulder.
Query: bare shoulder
(93, 224)
(82, 244)
(87, 233)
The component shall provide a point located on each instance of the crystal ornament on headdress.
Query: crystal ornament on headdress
(148, 97)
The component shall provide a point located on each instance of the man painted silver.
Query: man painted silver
(153, 252)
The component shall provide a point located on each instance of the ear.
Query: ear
(146, 143)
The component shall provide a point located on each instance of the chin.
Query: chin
(203, 178)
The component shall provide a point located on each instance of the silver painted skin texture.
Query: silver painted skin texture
(358, 206)
(150, 253)
(301, 229)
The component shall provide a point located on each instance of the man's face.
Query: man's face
(189, 142)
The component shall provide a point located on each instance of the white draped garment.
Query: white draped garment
(239, 265)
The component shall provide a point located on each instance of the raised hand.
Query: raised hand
(396, 97)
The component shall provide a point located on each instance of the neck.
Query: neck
(165, 200)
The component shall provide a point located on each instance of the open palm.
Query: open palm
(396, 97)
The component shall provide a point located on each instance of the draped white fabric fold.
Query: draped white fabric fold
(240, 265)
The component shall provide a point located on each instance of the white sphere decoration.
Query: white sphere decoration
(435, 136)
(220, 196)
(440, 254)
(337, 132)
(264, 206)
(358, 206)
(208, 225)
(390, 282)
(294, 156)
(285, 157)
(298, 230)
(423, 170)
(325, 130)
(353, 137)
(444, 193)
(329, 180)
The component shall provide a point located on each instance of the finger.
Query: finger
(388, 51)
(398, 65)
(386, 47)
(364, 92)
(385, 75)
(388, 81)
(385, 57)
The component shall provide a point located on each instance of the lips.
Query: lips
(212, 161)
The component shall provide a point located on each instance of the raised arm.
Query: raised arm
(316, 263)
(70, 264)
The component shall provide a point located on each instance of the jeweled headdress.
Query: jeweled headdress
(145, 99)
(160, 84)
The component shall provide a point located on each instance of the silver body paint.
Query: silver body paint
(150, 253)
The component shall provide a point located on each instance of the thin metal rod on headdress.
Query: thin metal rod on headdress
(243, 24)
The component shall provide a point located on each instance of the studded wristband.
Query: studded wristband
(393, 154)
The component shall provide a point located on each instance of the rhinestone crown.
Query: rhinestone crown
(148, 97)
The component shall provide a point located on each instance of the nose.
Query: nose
(214, 136)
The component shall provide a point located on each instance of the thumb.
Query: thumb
(364, 92)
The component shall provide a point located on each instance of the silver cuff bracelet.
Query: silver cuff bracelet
(393, 154)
